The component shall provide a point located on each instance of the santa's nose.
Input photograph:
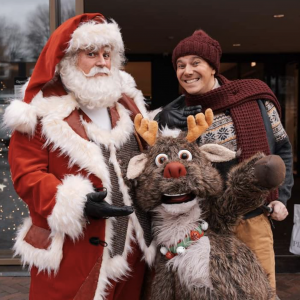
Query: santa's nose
(174, 170)
(101, 62)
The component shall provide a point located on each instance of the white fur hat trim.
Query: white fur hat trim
(91, 34)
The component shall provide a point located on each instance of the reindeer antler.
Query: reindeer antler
(199, 124)
(146, 129)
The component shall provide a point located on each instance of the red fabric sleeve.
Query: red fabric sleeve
(28, 161)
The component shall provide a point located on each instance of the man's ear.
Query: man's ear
(217, 153)
(136, 166)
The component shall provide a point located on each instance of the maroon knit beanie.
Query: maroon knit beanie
(201, 44)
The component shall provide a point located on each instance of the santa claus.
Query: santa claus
(73, 137)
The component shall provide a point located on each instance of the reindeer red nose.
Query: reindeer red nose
(174, 170)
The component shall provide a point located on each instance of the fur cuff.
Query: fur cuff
(20, 116)
(68, 216)
(44, 259)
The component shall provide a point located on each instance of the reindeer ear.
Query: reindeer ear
(217, 153)
(136, 166)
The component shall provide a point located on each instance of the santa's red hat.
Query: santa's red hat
(80, 32)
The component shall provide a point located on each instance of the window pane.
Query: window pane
(229, 70)
(24, 32)
(141, 72)
(67, 10)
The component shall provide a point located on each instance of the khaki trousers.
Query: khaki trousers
(257, 234)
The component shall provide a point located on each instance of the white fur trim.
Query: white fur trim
(118, 268)
(60, 135)
(180, 208)
(152, 114)
(149, 252)
(54, 107)
(68, 213)
(115, 268)
(122, 185)
(169, 228)
(136, 166)
(45, 260)
(23, 117)
(167, 132)
(90, 33)
(117, 136)
(127, 80)
(193, 266)
(217, 153)
(129, 88)
(20, 116)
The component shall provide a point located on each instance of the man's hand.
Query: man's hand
(181, 117)
(176, 116)
(97, 208)
(279, 210)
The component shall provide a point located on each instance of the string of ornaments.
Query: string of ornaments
(182, 245)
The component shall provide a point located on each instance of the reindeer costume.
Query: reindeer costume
(199, 256)
(58, 156)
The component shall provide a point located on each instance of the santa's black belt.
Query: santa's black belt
(254, 213)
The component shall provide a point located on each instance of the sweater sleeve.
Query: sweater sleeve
(283, 148)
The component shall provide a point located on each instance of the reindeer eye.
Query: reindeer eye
(185, 154)
(160, 159)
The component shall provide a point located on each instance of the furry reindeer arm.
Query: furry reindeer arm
(249, 183)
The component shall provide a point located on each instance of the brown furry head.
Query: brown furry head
(176, 171)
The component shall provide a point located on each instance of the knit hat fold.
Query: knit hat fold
(201, 44)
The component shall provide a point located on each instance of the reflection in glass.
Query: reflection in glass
(67, 10)
(24, 32)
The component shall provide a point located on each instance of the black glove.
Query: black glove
(97, 208)
(174, 115)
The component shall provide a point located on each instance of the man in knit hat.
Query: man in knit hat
(247, 117)
(72, 138)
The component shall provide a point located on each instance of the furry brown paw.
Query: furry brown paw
(269, 171)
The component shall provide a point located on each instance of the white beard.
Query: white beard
(92, 92)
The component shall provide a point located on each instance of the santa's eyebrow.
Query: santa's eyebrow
(90, 49)
(107, 48)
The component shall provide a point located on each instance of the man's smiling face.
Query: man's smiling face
(195, 75)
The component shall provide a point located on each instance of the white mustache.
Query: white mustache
(96, 70)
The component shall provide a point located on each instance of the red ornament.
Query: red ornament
(169, 255)
(196, 235)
